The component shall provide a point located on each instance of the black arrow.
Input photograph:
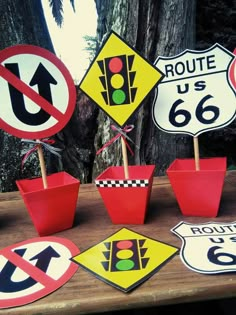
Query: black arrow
(43, 79)
(17, 99)
(6, 283)
(44, 258)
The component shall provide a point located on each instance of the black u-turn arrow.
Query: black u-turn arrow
(7, 285)
(43, 79)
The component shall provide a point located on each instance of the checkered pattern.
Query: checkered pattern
(122, 183)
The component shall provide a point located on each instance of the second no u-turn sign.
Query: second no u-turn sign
(37, 92)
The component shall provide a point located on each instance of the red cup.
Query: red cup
(198, 192)
(126, 200)
(51, 209)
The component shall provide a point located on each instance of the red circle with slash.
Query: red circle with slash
(61, 118)
(35, 268)
(232, 71)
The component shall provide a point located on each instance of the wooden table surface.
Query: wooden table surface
(84, 293)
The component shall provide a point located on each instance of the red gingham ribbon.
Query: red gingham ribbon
(46, 144)
(122, 132)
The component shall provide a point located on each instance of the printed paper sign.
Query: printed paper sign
(232, 71)
(34, 268)
(119, 79)
(208, 248)
(125, 259)
(196, 94)
(37, 92)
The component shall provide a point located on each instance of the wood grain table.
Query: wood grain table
(84, 294)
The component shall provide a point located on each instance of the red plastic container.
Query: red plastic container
(198, 193)
(126, 200)
(52, 209)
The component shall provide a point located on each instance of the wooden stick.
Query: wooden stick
(196, 153)
(125, 158)
(42, 166)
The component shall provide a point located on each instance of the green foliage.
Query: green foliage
(92, 44)
(231, 167)
(57, 10)
(72, 4)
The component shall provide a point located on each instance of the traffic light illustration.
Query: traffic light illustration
(117, 80)
(125, 255)
(125, 259)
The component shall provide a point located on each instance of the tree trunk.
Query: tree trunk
(216, 24)
(77, 141)
(22, 22)
(152, 27)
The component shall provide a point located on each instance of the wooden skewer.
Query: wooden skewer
(125, 158)
(196, 153)
(42, 166)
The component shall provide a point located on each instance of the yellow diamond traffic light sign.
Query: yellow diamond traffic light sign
(119, 79)
(125, 259)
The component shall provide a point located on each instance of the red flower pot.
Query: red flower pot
(52, 209)
(126, 200)
(198, 193)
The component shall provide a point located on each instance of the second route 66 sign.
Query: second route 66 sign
(208, 248)
(196, 94)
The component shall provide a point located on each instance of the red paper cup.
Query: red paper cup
(198, 193)
(126, 200)
(51, 209)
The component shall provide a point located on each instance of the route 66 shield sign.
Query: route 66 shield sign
(196, 94)
(208, 248)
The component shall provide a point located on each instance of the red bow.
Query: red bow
(121, 133)
(46, 144)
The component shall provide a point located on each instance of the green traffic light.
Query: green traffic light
(125, 264)
(118, 96)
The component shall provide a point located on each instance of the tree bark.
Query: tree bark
(22, 22)
(216, 24)
(153, 28)
(77, 141)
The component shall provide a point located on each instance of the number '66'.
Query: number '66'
(199, 112)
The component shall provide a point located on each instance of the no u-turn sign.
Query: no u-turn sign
(37, 92)
(34, 268)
